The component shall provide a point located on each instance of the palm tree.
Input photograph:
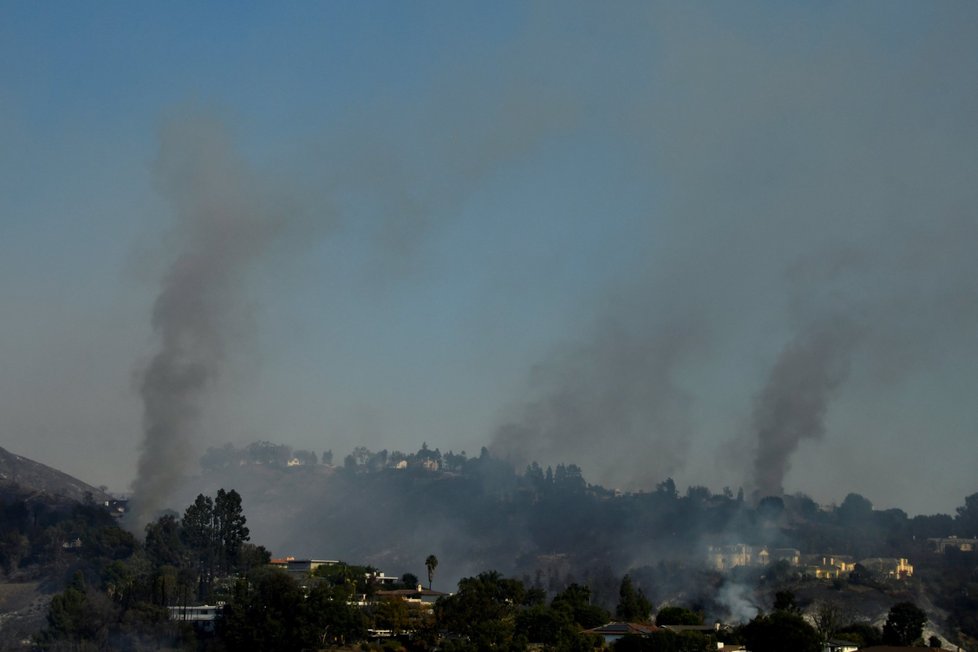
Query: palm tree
(431, 563)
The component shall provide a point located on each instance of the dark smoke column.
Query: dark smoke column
(221, 230)
(793, 403)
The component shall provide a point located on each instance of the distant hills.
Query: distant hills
(37, 477)
(548, 526)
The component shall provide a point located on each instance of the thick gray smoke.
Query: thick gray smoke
(791, 185)
(793, 403)
(742, 164)
(222, 227)
(602, 402)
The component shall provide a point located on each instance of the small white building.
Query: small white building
(201, 616)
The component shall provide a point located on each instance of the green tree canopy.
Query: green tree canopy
(229, 527)
(904, 625)
(163, 542)
(780, 631)
(862, 634)
(264, 613)
(409, 580)
(633, 606)
(329, 618)
(483, 610)
(575, 601)
(854, 510)
(678, 616)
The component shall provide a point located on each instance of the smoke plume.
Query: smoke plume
(222, 227)
(737, 600)
(605, 400)
(792, 404)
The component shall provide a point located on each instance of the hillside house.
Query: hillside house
(294, 565)
(203, 617)
(790, 555)
(943, 544)
(614, 631)
(724, 558)
(888, 567)
(117, 507)
(300, 569)
(418, 595)
(378, 577)
(829, 567)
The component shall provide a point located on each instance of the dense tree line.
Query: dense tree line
(120, 589)
(568, 530)
(592, 532)
(37, 530)
(557, 493)
(268, 610)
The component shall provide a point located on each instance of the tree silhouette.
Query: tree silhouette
(904, 625)
(779, 631)
(483, 610)
(785, 601)
(229, 527)
(431, 563)
(198, 534)
(967, 520)
(633, 606)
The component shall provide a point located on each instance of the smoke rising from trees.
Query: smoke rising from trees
(792, 405)
(806, 233)
(223, 226)
(606, 400)
(765, 199)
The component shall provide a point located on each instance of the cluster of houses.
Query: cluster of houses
(820, 566)
(613, 631)
(205, 616)
(721, 558)
(724, 558)
(302, 569)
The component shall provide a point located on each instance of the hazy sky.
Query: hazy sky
(596, 233)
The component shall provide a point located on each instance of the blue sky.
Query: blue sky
(601, 226)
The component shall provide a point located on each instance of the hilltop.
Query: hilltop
(42, 511)
(548, 529)
(16, 470)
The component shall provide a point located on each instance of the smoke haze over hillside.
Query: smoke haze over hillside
(699, 242)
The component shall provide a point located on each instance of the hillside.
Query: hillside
(552, 528)
(39, 509)
(34, 476)
(549, 527)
